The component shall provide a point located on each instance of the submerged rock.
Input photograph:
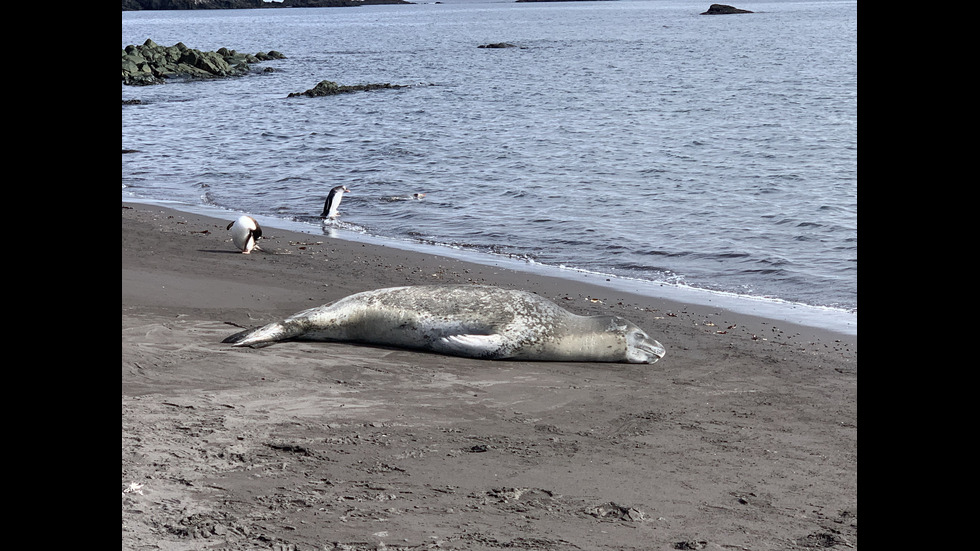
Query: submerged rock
(721, 9)
(151, 63)
(330, 88)
(498, 45)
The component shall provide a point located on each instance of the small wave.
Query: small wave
(721, 256)
(765, 271)
(669, 254)
(329, 224)
(292, 178)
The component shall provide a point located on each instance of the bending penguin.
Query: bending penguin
(333, 202)
(245, 233)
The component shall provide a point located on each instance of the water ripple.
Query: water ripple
(628, 138)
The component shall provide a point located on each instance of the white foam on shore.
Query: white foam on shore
(830, 319)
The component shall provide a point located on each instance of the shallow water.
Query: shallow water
(636, 139)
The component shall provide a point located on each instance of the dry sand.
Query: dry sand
(743, 437)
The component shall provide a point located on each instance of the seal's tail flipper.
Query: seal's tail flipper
(237, 337)
(254, 338)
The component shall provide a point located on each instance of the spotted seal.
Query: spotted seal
(472, 321)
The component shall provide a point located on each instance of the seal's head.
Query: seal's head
(640, 348)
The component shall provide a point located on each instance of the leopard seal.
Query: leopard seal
(472, 321)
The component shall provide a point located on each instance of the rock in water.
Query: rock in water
(721, 9)
(151, 63)
(330, 88)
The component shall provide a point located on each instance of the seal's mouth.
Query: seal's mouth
(644, 350)
(654, 349)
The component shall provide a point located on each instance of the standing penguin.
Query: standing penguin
(245, 232)
(333, 202)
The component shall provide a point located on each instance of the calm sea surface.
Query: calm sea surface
(635, 139)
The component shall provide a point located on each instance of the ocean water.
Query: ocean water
(636, 141)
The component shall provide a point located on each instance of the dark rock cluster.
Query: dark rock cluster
(150, 63)
(721, 9)
(498, 45)
(132, 5)
(335, 3)
(330, 88)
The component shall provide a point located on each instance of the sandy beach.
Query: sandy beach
(744, 436)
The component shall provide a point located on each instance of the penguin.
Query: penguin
(333, 201)
(245, 232)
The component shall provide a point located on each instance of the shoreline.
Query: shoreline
(811, 318)
(743, 435)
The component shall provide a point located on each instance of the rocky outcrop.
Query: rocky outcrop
(721, 9)
(150, 63)
(131, 5)
(330, 88)
(498, 45)
(335, 3)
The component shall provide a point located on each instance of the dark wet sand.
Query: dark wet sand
(743, 436)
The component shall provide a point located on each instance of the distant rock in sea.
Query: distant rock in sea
(131, 5)
(721, 9)
(134, 5)
(335, 3)
(330, 88)
(498, 45)
(151, 63)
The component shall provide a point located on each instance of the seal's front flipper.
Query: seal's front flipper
(471, 346)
